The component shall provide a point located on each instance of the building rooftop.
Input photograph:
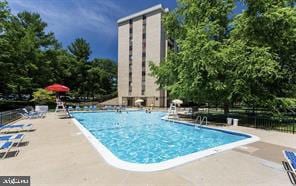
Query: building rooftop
(143, 12)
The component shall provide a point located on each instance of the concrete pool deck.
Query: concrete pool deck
(57, 153)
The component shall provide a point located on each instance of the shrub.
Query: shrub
(42, 96)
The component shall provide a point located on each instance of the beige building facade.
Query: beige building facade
(141, 40)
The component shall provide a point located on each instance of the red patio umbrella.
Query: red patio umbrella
(57, 88)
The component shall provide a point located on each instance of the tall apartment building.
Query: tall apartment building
(141, 39)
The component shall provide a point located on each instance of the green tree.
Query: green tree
(251, 73)
(224, 61)
(80, 48)
(269, 26)
(109, 73)
(31, 58)
(197, 70)
(42, 96)
(100, 77)
(27, 43)
(5, 16)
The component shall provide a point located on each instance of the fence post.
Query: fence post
(294, 124)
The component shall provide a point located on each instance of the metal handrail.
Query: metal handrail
(200, 120)
(204, 119)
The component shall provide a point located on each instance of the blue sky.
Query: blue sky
(94, 20)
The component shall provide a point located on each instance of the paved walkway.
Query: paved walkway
(58, 154)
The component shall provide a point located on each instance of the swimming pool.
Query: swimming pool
(144, 142)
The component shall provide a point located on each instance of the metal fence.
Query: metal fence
(9, 116)
(282, 124)
(279, 123)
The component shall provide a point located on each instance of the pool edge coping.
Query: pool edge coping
(112, 160)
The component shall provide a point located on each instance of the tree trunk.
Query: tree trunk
(226, 107)
(19, 92)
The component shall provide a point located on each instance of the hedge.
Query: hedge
(10, 105)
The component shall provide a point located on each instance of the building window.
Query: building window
(130, 54)
(130, 76)
(143, 55)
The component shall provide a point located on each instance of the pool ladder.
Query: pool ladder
(201, 121)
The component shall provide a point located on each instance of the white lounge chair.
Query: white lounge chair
(291, 159)
(5, 147)
(77, 108)
(15, 128)
(290, 166)
(31, 114)
(16, 138)
(85, 108)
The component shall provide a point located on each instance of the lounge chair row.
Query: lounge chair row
(85, 108)
(32, 114)
(8, 141)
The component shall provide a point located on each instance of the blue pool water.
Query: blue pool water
(139, 137)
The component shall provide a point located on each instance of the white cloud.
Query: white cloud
(63, 16)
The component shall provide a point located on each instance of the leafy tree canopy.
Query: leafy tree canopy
(32, 58)
(249, 59)
(80, 48)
